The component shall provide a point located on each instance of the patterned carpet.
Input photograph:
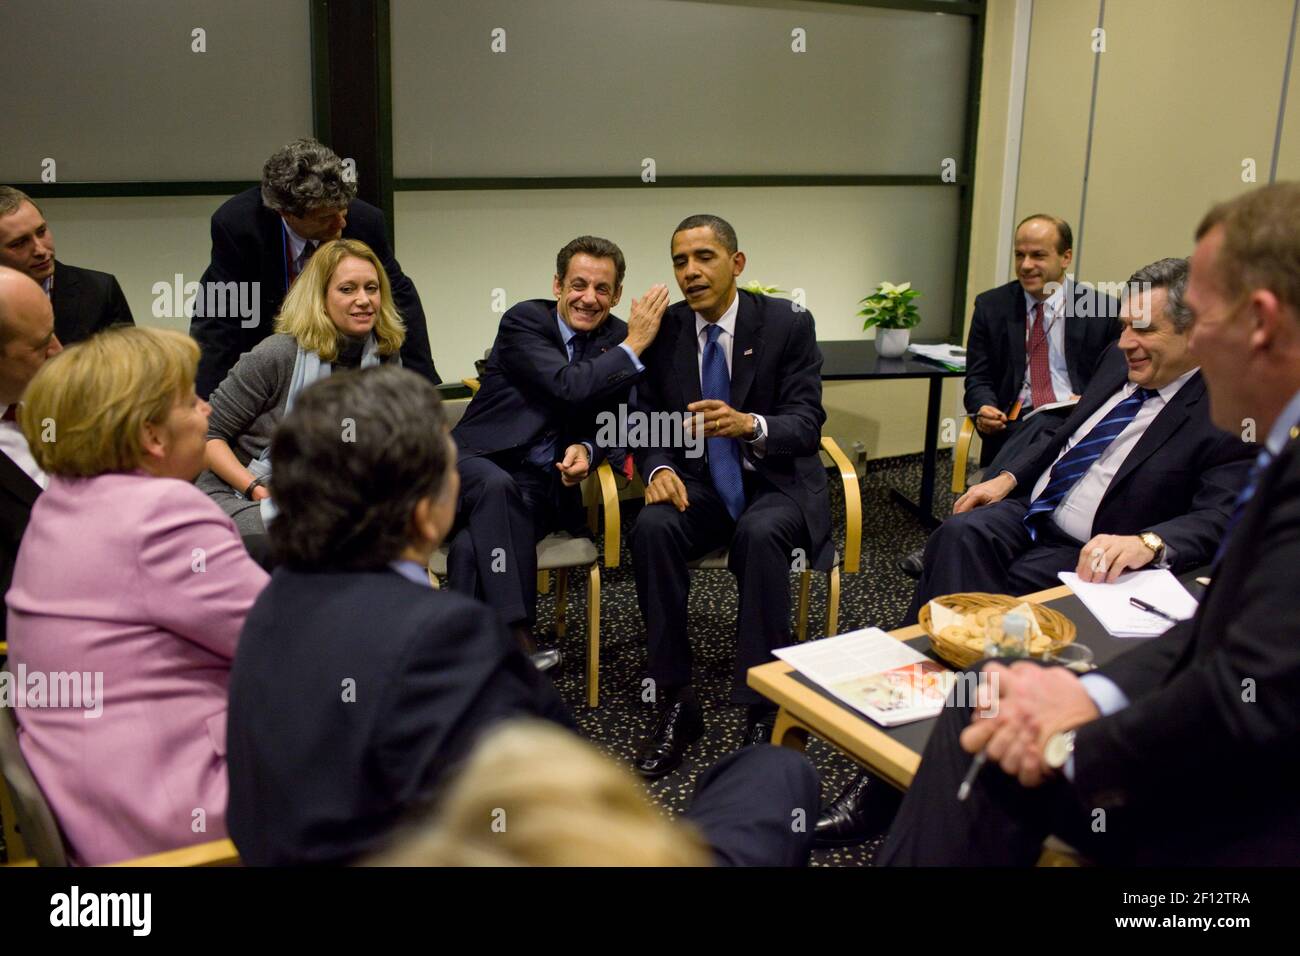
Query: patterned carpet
(876, 596)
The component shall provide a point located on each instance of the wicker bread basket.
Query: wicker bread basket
(1055, 625)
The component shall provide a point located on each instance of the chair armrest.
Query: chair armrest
(961, 454)
(852, 504)
(608, 500)
(471, 383)
(216, 853)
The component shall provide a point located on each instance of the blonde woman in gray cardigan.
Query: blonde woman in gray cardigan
(338, 314)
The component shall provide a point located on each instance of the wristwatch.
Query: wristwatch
(1058, 749)
(758, 429)
(255, 483)
(1154, 542)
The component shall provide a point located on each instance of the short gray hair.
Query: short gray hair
(1170, 275)
(305, 175)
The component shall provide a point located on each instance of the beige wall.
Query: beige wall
(142, 241)
(1186, 91)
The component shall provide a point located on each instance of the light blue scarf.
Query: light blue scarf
(307, 370)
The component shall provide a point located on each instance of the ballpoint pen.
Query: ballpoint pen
(964, 790)
(1151, 609)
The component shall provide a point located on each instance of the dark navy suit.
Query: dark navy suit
(775, 373)
(1180, 481)
(530, 393)
(995, 348)
(86, 302)
(355, 696)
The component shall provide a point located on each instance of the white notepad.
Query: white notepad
(1109, 603)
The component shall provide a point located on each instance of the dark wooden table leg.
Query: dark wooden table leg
(924, 508)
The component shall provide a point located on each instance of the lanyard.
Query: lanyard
(284, 238)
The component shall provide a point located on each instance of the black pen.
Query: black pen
(1151, 609)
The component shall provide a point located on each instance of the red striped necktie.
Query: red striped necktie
(1040, 369)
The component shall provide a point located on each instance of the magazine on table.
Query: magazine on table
(874, 673)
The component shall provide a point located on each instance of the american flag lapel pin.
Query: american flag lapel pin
(748, 352)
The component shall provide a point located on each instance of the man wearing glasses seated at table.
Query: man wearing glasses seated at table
(1114, 762)
(1137, 476)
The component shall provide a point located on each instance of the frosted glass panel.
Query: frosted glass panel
(595, 87)
(114, 90)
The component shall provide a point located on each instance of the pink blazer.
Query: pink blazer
(144, 581)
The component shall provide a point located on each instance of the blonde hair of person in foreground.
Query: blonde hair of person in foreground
(533, 794)
(99, 394)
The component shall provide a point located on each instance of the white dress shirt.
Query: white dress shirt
(296, 244)
(1075, 513)
(14, 444)
(1054, 318)
(726, 340)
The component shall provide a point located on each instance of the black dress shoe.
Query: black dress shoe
(758, 727)
(862, 812)
(680, 724)
(546, 660)
(913, 564)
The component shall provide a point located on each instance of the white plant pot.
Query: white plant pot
(892, 343)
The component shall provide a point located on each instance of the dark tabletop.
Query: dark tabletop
(845, 359)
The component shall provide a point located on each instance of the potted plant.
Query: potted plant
(890, 310)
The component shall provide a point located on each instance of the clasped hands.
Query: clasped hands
(1020, 708)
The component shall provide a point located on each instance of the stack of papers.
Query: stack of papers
(1109, 603)
(874, 673)
(950, 356)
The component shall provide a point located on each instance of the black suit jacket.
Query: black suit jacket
(17, 495)
(248, 246)
(352, 696)
(86, 302)
(1180, 480)
(995, 347)
(529, 388)
(776, 373)
(1206, 754)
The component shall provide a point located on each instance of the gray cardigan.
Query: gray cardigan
(248, 405)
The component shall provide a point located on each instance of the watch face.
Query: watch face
(1058, 749)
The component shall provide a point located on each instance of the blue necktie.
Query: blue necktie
(724, 453)
(1075, 463)
(1262, 461)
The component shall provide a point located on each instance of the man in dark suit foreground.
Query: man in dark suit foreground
(85, 301)
(1115, 762)
(357, 687)
(528, 437)
(27, 339)
(1138, 471)
(745, 370)
(261, 241)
